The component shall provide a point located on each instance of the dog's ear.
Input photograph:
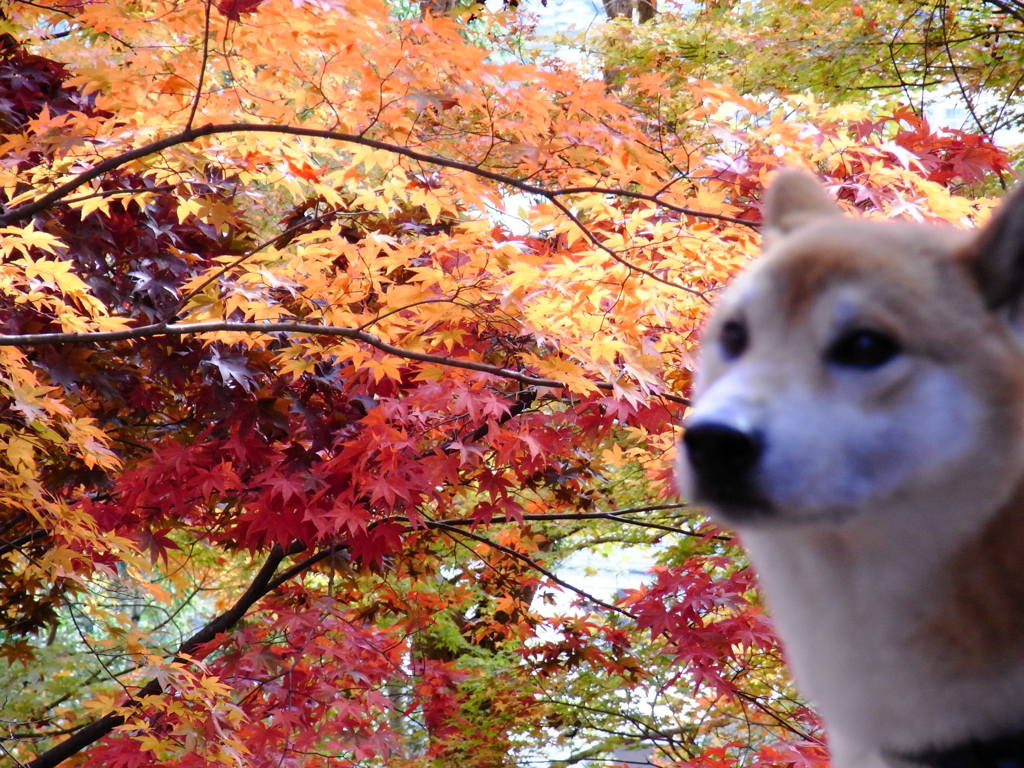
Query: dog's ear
(996, 257)
(794, 198)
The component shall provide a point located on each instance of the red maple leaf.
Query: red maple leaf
(233, 9)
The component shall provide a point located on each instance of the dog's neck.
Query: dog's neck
(847, 600)
(983, 619)
(1004, 751)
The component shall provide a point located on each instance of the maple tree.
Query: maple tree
(920, 52)
(329, 331)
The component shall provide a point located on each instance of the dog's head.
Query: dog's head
(860, 367)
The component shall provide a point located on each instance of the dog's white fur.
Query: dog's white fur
(891, 540)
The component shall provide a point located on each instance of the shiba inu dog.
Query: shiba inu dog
(859, 420)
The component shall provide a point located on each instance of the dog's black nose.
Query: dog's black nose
(720, 454)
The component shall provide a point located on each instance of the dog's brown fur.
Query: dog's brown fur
(881, 498)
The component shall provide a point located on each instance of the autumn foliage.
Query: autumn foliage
(328, 331)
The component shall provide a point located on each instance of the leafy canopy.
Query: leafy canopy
(328, 334)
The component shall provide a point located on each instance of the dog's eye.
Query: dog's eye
(733, 339)
(863, 349)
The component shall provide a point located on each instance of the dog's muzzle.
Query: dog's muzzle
(725, 461)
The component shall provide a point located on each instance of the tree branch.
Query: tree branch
(534, 565)
(202, 66)
(188, 135)
(267, 580)
(89, 734)
(618, 515)
(279, 239)
(1010, 9)
(185, 329)
(625, 262)
(964, 94)
(19, 542)
(638, 739)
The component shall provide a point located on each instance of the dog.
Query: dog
(858, 420)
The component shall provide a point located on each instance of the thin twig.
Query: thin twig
(968, 102)
(202, 66)
(625, 262)
(535, 566)
(278, 238)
